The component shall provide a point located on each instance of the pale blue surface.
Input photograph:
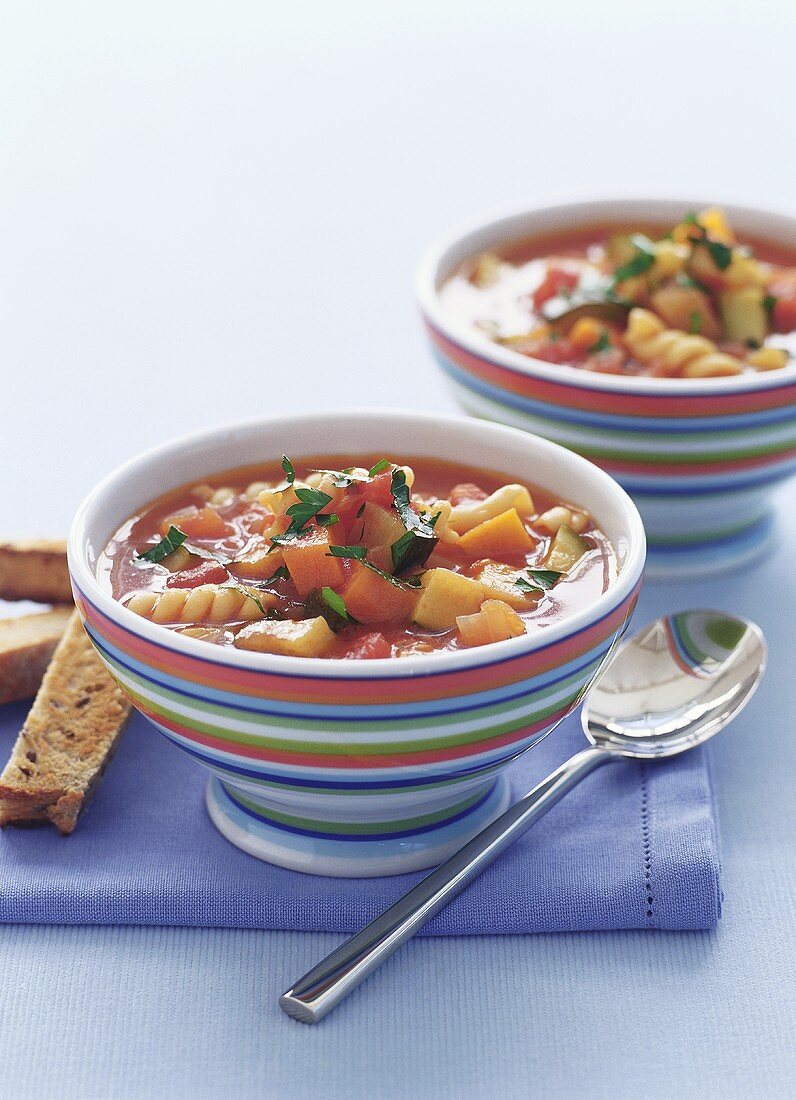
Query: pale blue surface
(169, 168)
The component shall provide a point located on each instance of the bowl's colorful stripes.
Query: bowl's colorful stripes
(389, 753)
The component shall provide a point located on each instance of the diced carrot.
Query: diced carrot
(310, 563)
(372, 599)
(503, 534)
(586, 332)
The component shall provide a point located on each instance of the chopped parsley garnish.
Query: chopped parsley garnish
(769, 304)
(383, 464)
(602, 343)
(327, 519)
(290, 473)
(335, 601)
(171, 541)
(412, 549)
(310, 503)
(542, 580)
(638, 264)
(752, 343)
(695, 324)
(250, 595)
(279, 574)
(691, 219)
(358, 553)
(720, 253)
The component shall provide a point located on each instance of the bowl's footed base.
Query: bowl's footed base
(672, 559)
(413, 846)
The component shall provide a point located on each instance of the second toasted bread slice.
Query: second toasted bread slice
(67, 740)
(27, 643)
(34, 569)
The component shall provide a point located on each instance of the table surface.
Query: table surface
(212, 212)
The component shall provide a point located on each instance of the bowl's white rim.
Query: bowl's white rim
(381, 668)
(573, 213)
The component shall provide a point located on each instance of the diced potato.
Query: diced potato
(257, 563)
(567, 549)
(469, 514)
(444, 596)
(687, 308)
(380, 527)
(743, 270)
(670, 258)
(372, 599)
(560, 516)
(495, 622)
(310, 563)
(767, 359)
(500, 583)
(744, 314)
(503, 534)
(308, 638)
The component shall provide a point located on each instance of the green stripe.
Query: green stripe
(684, 458)
(348, 748)
(700, 536)
(358, 828)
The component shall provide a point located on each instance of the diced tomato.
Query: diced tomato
(556, 280)
(200, 523)
(466, 491)
(207, 572)
(378, 490)
(255, 519)
(369, 647)
(783, 288)
(552, 351)
(606, 362)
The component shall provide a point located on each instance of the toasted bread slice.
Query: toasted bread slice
(34, 569)
(26, 645)
(68, 738)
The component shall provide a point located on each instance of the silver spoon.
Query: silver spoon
(671, 686)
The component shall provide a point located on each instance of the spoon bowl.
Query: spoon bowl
(675, 684)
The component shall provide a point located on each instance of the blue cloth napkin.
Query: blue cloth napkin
(634, 846)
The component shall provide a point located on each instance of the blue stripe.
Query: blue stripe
(640, 489)
(358, 837)
(348, 785)
(630, 424)
(349, 714)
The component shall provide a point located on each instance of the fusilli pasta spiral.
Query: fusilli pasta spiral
(678, 352)
(208, 603)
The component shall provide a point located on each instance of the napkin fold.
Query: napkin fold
(633, 846)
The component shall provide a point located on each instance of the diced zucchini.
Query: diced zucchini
(743, 314)
(567, 549)
(380, 527)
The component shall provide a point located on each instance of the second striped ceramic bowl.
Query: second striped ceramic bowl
(699, 457)
(355, 767)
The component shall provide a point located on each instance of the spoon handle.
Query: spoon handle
(340, 972)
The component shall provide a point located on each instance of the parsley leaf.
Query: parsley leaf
(602, 343)
(721, 254)
(544, 580)
(769, 303)
(279, 574)
(250, 595)
(287, 466)
(172, 540)
(358, 553)
(695, 323)
(310, 503)
(335, 601)
(383, 464)
(638, 264)
(412, 549)
(327, 519)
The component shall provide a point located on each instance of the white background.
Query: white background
(212, 212)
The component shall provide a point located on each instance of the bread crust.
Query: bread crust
(68, 738)
(27, 643)
(34, 569)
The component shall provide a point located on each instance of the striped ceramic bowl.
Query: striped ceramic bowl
(699, 457)
(346, 767)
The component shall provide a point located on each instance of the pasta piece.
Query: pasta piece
(252, 492)
(560, 516)
(224, 495)
(208, 603)
(470, 514)
(768, 358)
(677, 352)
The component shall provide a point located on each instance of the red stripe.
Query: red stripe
(571, 395)
(371, 692)
(355, 760)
